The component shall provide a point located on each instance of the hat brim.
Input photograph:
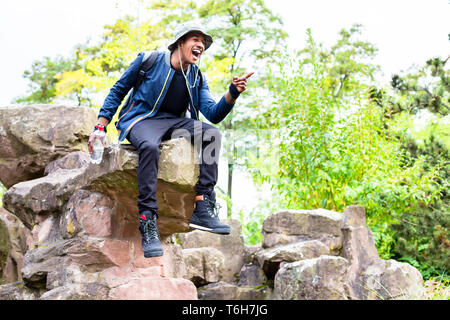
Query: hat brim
(208, 39)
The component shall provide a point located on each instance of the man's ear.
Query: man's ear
(181, 41)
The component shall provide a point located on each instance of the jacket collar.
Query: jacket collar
(167, 61)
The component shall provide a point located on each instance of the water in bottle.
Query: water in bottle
(97, 154)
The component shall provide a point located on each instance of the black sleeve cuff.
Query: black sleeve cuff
(233, 91)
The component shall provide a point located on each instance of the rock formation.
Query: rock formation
(83, 221)
(68, 230)
(317, 255)
(32, 136)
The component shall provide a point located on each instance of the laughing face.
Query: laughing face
(192, 48)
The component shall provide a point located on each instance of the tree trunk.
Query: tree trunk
(229, 189)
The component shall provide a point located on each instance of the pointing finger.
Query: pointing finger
(248, 75)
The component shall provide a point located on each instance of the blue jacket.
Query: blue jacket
(150, 95)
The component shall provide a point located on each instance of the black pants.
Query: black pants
(147, 135)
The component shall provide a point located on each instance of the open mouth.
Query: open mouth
(196, 53)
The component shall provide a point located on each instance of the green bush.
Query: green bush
(422, 239)
(422, 234)
(335, 151)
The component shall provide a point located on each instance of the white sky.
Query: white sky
(406, 32)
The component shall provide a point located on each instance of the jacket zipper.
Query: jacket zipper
(132, 104)
(154, 106)
(192, 101)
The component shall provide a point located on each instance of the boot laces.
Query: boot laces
(213, 207)
(150, 229)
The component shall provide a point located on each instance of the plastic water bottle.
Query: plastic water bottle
(97, 154)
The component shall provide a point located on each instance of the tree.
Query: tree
(347, 71)
(43, 79)
(426, 88)
(92, 68)
(421, 231)
(422, 88)
(334, 152)
(347, 63)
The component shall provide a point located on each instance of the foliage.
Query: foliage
(243, 28)
(251, 221)
(333, 154)
(436, 155)
(423, 233)
(2, 191)
(173, 12)
(251, 226)
(43, 79)
(422, 239)
(427, 87)
(437, 289)
(347, 63)
(91, 69)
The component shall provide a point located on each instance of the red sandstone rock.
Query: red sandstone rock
(155, 288)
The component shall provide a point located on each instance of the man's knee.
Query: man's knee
(211, 133)
(149, 147)
(212, 144)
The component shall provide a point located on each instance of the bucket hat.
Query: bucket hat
(186, 28)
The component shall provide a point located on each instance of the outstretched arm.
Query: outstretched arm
(216, 112)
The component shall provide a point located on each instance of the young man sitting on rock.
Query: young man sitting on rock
(172, 94)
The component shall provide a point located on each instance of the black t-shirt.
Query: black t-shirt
(177, 97)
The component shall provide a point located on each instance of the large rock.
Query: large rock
(115, 283)
(356, 273)
(204, 265)
(252, 276)
(270, 259)
(299, 225)
(358, 248)
(390, 279)
(32, 136)
(323, 278)
(84, 227)
(85, 267)
(35, 200)
(232, 246)
(155, 289)
(90, 232)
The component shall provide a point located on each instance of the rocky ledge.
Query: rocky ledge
(70, 231)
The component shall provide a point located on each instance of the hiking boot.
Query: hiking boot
(206, 216)
(150, 236)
